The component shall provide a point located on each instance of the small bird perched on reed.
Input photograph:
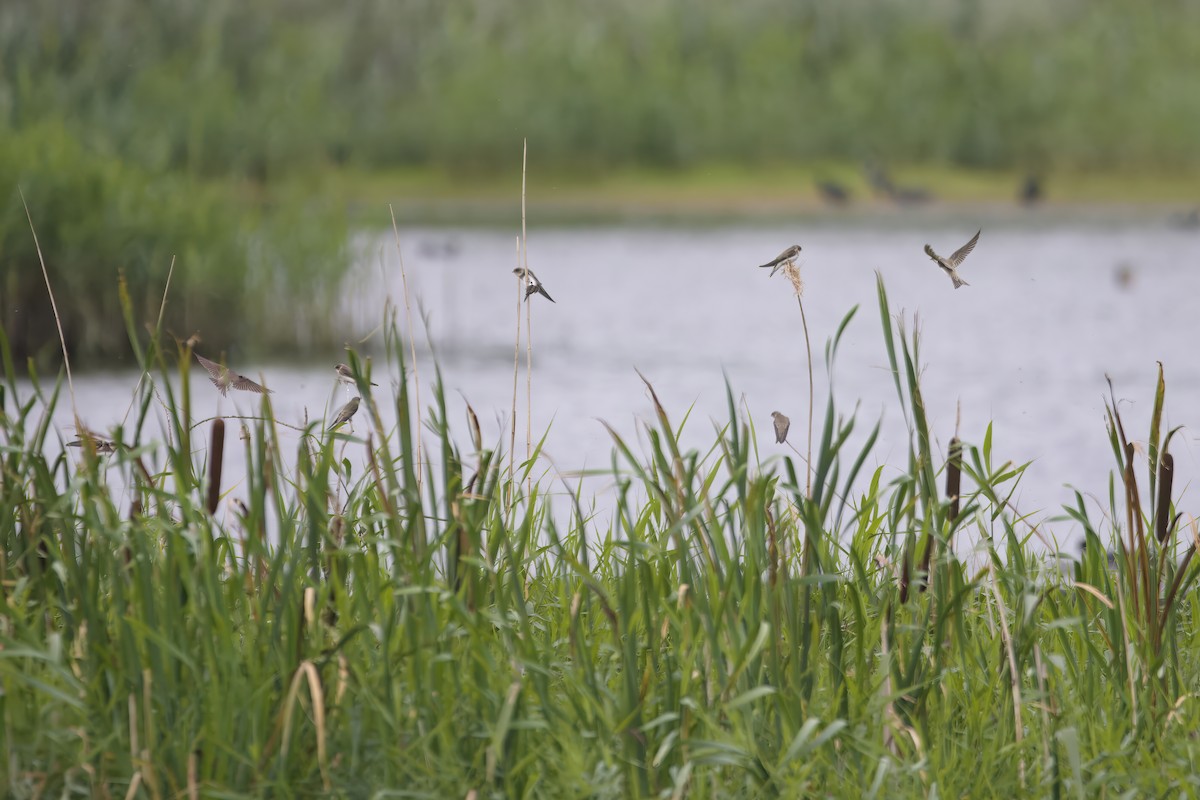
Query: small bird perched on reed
(344, 375)
(782, 424)
(950, 265)
(783, 259)
(532, 284)
(345, 414)
(224, 378)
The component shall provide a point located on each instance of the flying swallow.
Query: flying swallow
(532, 284)
(786, 257)
(344, 375)
(103, 446)
(224, 378)
(345, 414)
(782, 424)
(950, 265)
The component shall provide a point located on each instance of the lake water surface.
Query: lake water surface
(1048, 313)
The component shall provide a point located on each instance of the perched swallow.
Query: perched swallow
(344, 375)
(786, 257)
(532, 284)
(103, 446)
(950, 265)
(224, 378)
(345, 414)
(782, 424)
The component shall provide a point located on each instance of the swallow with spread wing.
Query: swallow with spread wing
(950, 265)
(224, 378)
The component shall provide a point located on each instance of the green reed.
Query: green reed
(729, 634)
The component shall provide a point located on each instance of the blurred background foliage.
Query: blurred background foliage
(144, 128)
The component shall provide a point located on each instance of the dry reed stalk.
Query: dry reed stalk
(62, 340)
(307, 671)
(512, 440)
(528, 323)
(193, 785)
(412, 347)
(793, 275)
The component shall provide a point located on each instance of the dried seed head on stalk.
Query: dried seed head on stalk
(791, 271)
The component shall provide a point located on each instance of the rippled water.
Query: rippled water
(1048, 313)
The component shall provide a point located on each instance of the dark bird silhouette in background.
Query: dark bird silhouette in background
(1030, 191)
(833, 193)
(882, 183)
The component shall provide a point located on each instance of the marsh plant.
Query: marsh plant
(353, 631)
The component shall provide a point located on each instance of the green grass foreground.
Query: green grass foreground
(433, 632)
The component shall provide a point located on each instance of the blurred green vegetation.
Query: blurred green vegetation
(259, 89)
(141, 129)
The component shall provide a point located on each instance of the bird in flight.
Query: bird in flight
(950, 265)
(532, 284)
(786, 257)
(103, 446)
(782, 424)
(345, 414)
(344, 375)
(223, 378)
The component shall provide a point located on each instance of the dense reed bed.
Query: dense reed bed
(267, 89)
(729, 633)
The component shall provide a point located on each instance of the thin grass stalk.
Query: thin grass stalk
(412, 344)
(528, 321)
(53, 307)
(512, 439)
(529, 392)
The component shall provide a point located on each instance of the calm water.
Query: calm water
(1026, 346)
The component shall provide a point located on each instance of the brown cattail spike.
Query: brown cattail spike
(1162, 506)
(216, 455)
(954, 477)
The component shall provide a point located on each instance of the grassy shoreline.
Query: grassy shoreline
(746, 195)
(422, 626)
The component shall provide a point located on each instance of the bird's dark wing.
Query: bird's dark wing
(790, 253)
(246, 385)
(929, 252)
(961, 253)
(542, 291)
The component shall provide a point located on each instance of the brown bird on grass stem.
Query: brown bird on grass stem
(532, 284)
(786, 257)
(345, 414)
(344, 375)
(782, 424)
(224, 378)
